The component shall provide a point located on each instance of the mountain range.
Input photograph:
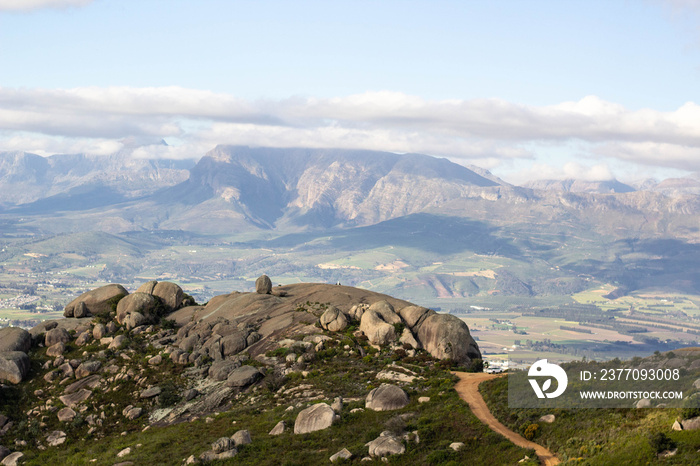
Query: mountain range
(430, 227)
(234, 188)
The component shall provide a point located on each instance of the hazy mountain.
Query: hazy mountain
(27, 178)
(235, 189)
(581, 186)
(318, 187)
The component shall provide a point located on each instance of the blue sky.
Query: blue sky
(528, 89)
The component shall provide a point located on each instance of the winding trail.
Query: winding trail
(468, 390)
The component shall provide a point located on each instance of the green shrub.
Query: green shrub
(168, 324)
(476, 365)
(691, 408)
(168, 395)
(660, 442)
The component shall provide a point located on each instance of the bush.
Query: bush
(277, 353)
(531, 431)
(691, 408)
(168, 395)
(167, 324)
(476, 365)
(661, 442)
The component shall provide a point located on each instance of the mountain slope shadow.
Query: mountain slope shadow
(431, 233)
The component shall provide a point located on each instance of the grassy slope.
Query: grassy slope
(439, 422)
(597, 436)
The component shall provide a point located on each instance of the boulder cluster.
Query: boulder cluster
(225, 351)
(444, 336)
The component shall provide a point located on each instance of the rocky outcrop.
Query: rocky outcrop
(98, 301)
(316, 417)
(263, 285)
(445, 336)
(386, 311)
(170, 294)
(386, 397)
(136, 309)
(378, 331)
(334, 320)
(56, 335)
(414, 316)
(243, 376)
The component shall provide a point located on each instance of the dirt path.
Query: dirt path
(468, 390)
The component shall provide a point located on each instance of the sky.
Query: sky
(528, 89)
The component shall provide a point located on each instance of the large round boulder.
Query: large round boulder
(386, 397)
(378, 332)
(141, 303)
(98, 301)
(445, 336)
(333, 320)
(316, 417)
(170, 294)
(15, 339)
(263, 285)
(14, 366)
(147, 287)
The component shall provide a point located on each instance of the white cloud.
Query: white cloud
(26, 5)
(483, 129)
(570, 170)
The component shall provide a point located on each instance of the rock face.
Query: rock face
(15, 339)
(414, 316)
(243, 376)
(56, 335)
(14, 366)
(317, 417)
(691, 424)
(333, 320)
(263, 285)
(445, 336)
(97, 301)
(170, 294)
(386, 397)
(386, 311)
(142, 304)
(378, 331)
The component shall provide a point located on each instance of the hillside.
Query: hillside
(637, 434)
(236, 378)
